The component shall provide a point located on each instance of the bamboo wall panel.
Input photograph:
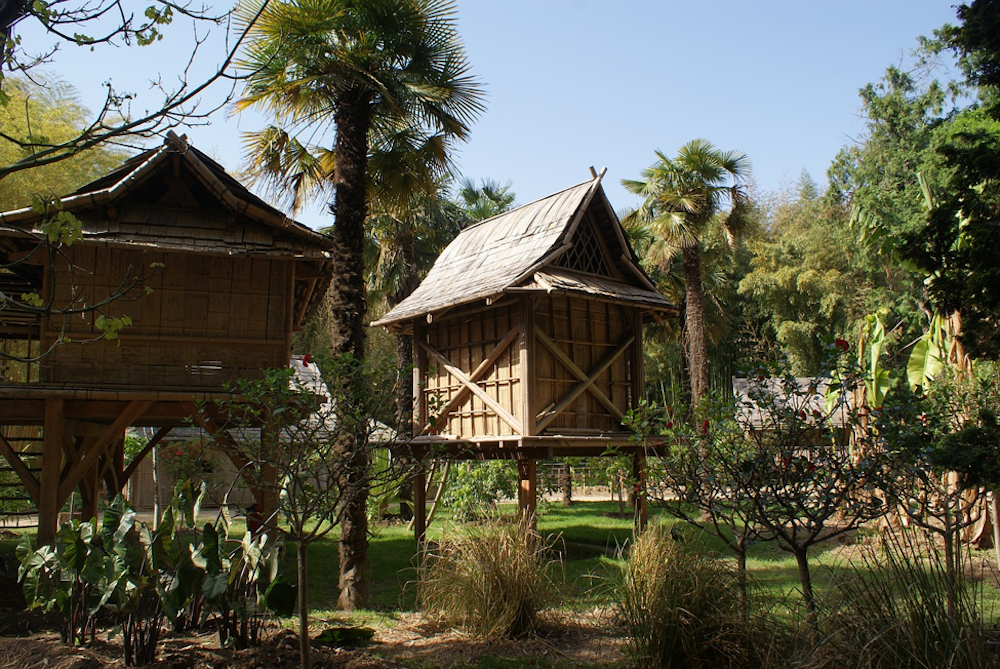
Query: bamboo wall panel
(466, 341)
(197, 322)
(586, 331)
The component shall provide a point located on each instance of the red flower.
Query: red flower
(841, 344)
(670, 424)
(802, 415)
(704, 427)
(306, 358)
(178, 452)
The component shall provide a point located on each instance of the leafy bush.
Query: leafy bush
(118, 568)
(491, 580)
(475, 488)
(683, 609)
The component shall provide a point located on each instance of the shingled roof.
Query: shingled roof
(525, 250)
(289, 236)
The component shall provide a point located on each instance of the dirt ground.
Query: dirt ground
(586, 639)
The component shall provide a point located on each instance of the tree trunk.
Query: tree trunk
(805, 580)
(347, 302)
(694, 324)
(741, 575)
(995, 512)
(567, 484)
(404, 361)
(305, 647)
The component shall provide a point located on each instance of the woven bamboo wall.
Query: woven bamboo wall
(467, 340)
(204, 321)
(586, 330)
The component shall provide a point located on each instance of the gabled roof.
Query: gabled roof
(519, 251)
(228, 191)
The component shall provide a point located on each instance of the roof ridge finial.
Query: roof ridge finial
(175, 142)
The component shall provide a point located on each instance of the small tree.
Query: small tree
(807, 486)
(701, 476)
(287, 436)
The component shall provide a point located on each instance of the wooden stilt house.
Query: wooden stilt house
(527, 336)
(213, 279)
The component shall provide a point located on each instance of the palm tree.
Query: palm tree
(365, 70)
(682, 197)
(485, 199)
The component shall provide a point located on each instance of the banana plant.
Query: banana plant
(929, 354)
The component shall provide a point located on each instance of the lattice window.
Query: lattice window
(586, 254)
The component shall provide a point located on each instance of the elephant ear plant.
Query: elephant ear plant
(144, 576)
(84, 571)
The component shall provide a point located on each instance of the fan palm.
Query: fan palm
(364, 70)
(681, 198)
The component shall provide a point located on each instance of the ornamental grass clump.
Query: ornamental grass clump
(491, 580)
(682, 608)
(899, 607)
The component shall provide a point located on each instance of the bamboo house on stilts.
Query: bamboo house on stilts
(214, 281)
(527, 339)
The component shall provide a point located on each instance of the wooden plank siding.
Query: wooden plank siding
(466, 341)
(587, 331)
(197, 322)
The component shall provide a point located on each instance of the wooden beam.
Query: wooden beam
(28, 479)
(586, 380)
(641, 505)
(52, 455)
(420, 412)
(527, 474)
(527, 364)
(474, 388)
(134, 463)
(114, 431)
(420, 506)
(477, 373)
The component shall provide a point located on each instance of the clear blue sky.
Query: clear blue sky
(575, 83)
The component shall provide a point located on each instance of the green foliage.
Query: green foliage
(803, 275)
(898, 608)
(55, 115)
(957, 247)
(680, 608)
(475, 488)
(490, 581)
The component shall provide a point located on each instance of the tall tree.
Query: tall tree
(803, 275)
(682, 197)
(370, 67)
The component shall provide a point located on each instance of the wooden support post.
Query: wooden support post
(89, 495)
(420, 409)
(527, 474)
(639, 480)
(52, 456)
(420, 506)
(526, 366)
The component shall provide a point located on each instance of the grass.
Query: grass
(590, 536)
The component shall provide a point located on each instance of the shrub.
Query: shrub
(490, 581)
(897, 609)
(683, 609)
(475, 488)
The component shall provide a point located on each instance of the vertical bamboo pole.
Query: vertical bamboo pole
(420, 505)
(527, 474)
(639, 479)
(52, 454)
(526, 371)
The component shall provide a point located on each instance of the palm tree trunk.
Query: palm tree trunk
(404, 361)
(347, 301)
(694, 323)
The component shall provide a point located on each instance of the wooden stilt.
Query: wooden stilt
(527, 475)
(420, 506)
(52, 456)
(639, 480)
